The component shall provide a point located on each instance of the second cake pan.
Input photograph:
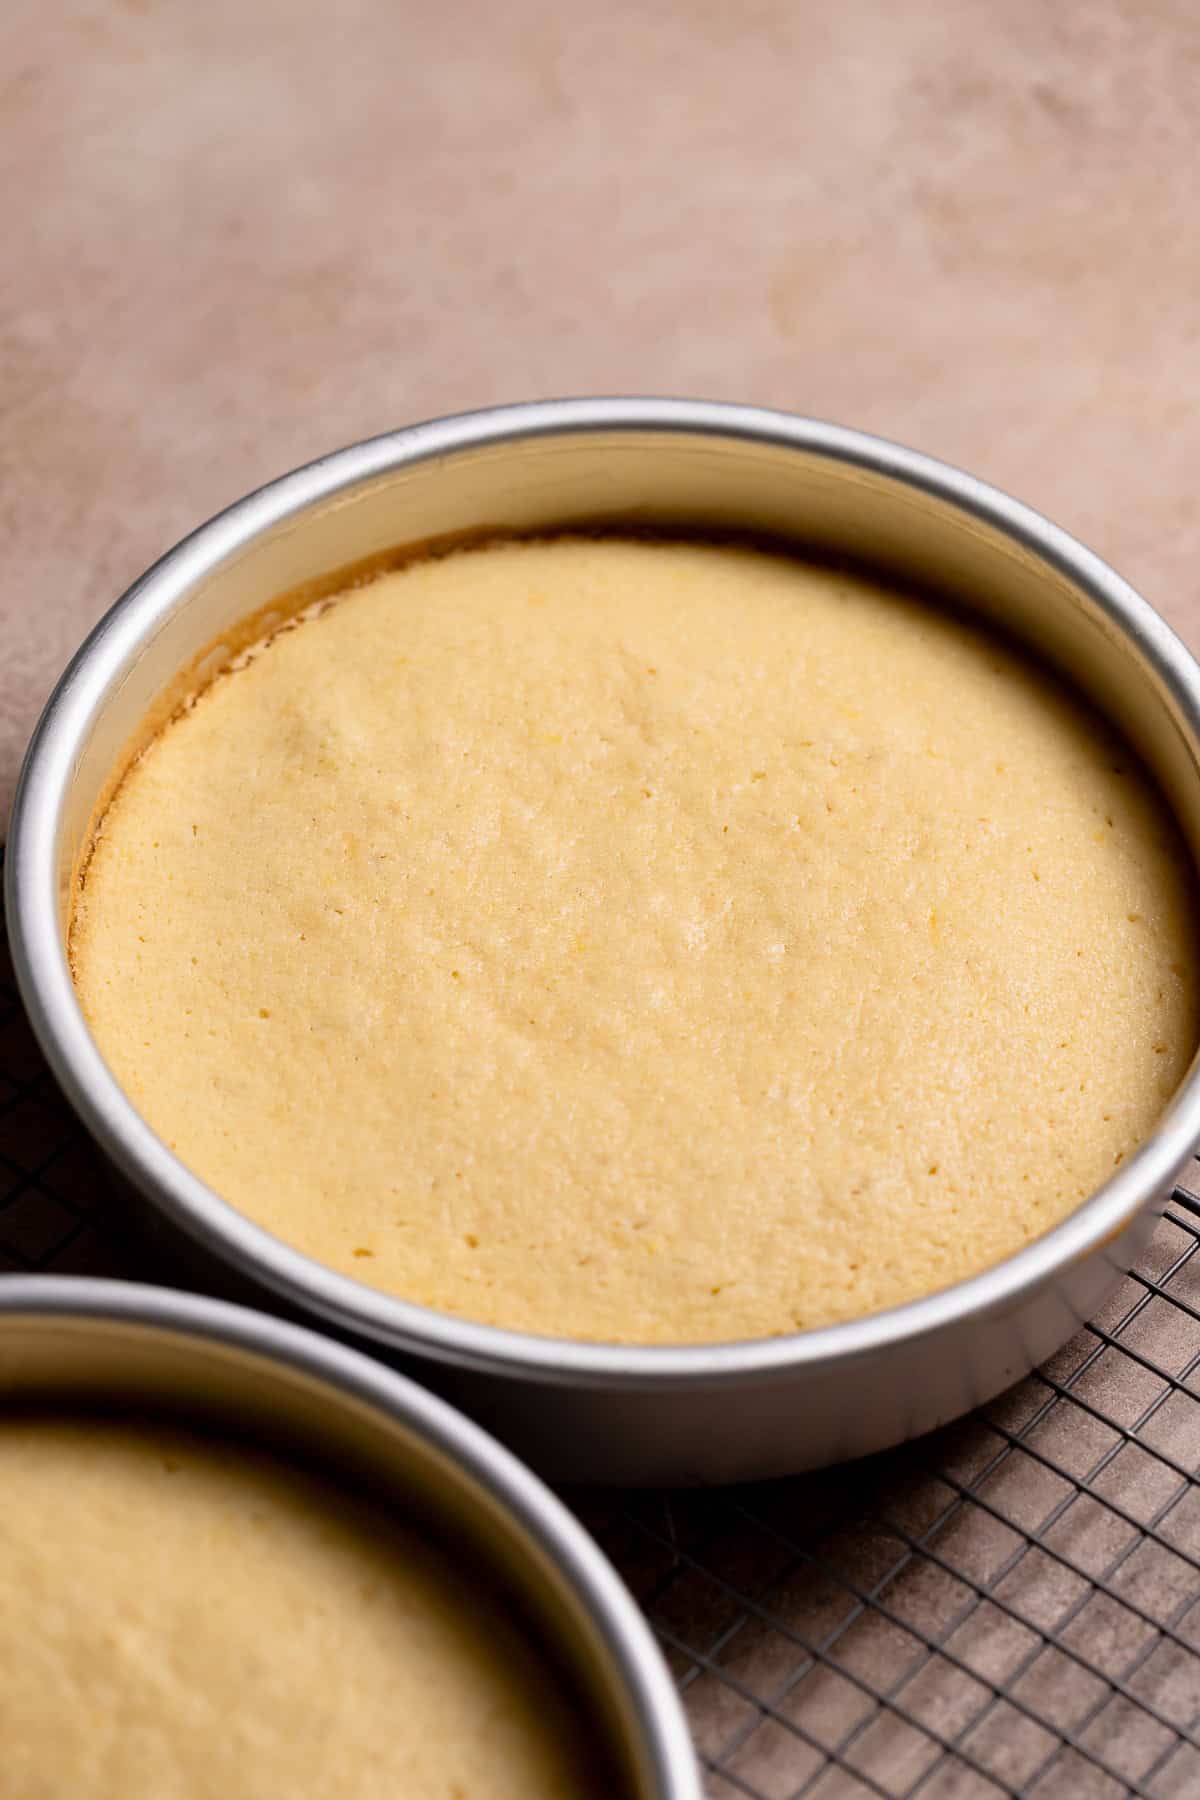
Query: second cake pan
(79, 1343)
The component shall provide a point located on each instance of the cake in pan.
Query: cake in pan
(646, 941)
(186, 1617)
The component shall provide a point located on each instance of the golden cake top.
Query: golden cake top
(187, 1617)
(645, 941)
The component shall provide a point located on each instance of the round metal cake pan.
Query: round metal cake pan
(79, 1343)
(588, 1410)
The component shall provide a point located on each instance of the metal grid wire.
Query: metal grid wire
(1011, 1606)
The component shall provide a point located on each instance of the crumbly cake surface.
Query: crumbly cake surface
(657, 942)
(195, 1621)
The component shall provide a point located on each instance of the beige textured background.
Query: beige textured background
(243, 232)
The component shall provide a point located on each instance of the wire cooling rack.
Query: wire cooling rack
(1011, 1606)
